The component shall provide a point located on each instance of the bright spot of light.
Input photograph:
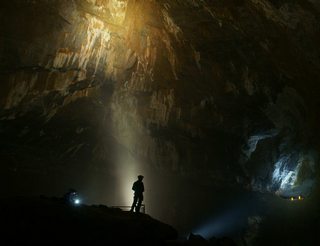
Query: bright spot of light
(77, 201)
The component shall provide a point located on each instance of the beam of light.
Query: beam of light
(127, 173)
(126, 166)
(218, 226)
(124, 169)
(228, 221)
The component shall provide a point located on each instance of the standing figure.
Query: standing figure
(71, 197)
(138, 188)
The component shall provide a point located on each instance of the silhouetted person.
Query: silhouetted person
(138, 188)
(70, 196)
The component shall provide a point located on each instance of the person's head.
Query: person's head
(140, 177)
(72, 190)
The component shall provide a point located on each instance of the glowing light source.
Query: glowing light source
(77, 201)
(292, 198)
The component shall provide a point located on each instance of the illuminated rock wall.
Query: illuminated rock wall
(225, 90)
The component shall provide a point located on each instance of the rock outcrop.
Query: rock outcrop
(48, 221)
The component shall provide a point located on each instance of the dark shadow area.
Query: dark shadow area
(52, 221)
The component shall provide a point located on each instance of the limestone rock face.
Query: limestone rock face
(221, 92)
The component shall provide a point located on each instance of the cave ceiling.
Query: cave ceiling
(228, 90)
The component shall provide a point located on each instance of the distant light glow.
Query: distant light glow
(228, 221)
(77, 201)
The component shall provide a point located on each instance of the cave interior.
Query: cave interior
(216, 103)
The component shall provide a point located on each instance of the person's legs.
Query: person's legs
(135, 199)
(140, 199)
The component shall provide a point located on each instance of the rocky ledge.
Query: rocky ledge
(50, 221)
